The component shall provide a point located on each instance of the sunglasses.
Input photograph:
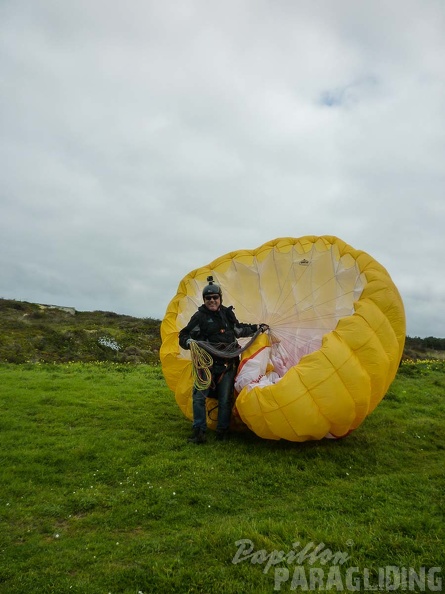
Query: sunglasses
(209, 297)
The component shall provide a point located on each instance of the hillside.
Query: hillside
(44, 333)
(47, 333)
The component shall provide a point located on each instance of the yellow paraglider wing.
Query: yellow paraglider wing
(337, 331)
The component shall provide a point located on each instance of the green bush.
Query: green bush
(29, 332)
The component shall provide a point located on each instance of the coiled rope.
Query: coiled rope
(227, 351)
(201, 354)
(202, 362)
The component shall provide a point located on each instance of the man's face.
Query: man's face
(212, 302)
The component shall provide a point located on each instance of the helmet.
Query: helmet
(211, 288)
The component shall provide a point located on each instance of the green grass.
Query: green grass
(100, 491)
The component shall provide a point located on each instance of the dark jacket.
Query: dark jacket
(217, 327)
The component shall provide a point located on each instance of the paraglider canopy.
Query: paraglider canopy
(337, 330)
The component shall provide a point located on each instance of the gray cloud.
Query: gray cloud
(142, 140)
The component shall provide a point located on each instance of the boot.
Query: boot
(198, 436)
(222, 435)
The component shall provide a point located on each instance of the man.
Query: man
(216, 324)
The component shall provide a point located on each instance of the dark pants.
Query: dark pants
(223, 391)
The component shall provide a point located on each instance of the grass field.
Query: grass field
(100, 492)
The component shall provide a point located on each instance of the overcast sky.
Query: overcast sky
(143, 139)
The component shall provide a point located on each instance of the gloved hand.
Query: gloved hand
(263, 327)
